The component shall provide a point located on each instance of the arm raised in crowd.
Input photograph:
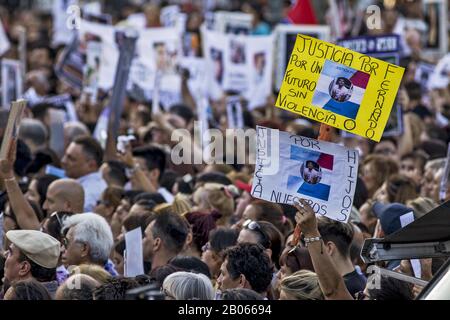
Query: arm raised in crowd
(331, 282)
(139, 180)
(26, 218)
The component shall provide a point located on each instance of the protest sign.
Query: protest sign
(239, 63)
(233, 22)
(423, 74)
(290, 167)
(156, 49)
(285, 40)
(133, 253)
(12, 128)
(4, 41)
(339, 87)
(12, 83)
(436, 35)
(62, 35)
(234, 113)
(69, 67)
(386, 48)
(92, 69)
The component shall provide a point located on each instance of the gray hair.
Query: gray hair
(75, 129)
(94, 230)
(189, 286)
(34, 130)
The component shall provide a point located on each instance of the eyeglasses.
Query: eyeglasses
(255, 226)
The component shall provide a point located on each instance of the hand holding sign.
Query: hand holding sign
(12, 128)
(306, 218)
(7, 164)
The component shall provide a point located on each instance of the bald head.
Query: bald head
(65, 195)
(77, 287)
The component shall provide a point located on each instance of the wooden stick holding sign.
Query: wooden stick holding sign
(127, 45)
(12, 128)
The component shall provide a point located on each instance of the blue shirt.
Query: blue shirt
(93, 185)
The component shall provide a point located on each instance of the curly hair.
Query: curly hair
(251, 261)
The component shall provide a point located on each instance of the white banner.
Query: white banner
(62, 34)
(157, 49)
(4, 41)
(239, 63)
(290, 167)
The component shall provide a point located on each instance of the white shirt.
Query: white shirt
(93, 185)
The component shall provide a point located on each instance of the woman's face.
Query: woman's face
(368, 176)
(32, 193)
(381, 194)
(212, 260)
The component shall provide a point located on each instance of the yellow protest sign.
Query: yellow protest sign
(339, 87)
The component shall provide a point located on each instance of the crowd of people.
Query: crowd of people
(204, 236)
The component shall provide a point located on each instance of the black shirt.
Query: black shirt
(355, 282)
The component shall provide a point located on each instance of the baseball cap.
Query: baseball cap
(389, 216)
(37, 246)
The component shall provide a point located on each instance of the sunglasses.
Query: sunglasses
(255, 226)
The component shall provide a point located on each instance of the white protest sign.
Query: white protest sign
(4, 41)
(234, 113)
(62, 35)
(233, 22)
(197, 76)
(239, 63)
(91, 70)
(134, 262)
(290, 167)
(12, 83)
(156, 49)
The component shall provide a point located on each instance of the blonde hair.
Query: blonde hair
(421, 206)
(302, 285)
(92, 270)
(180, 206)
(216, 196)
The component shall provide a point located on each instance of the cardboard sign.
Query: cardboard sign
(12, 83)
(12, 128)
(339, 87)
(290, 167)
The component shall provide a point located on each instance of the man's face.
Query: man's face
(148, 242)
(75, 162)
(310, 166)
(72, 252)
(224, 281)
(54, 200)
(13, 267)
